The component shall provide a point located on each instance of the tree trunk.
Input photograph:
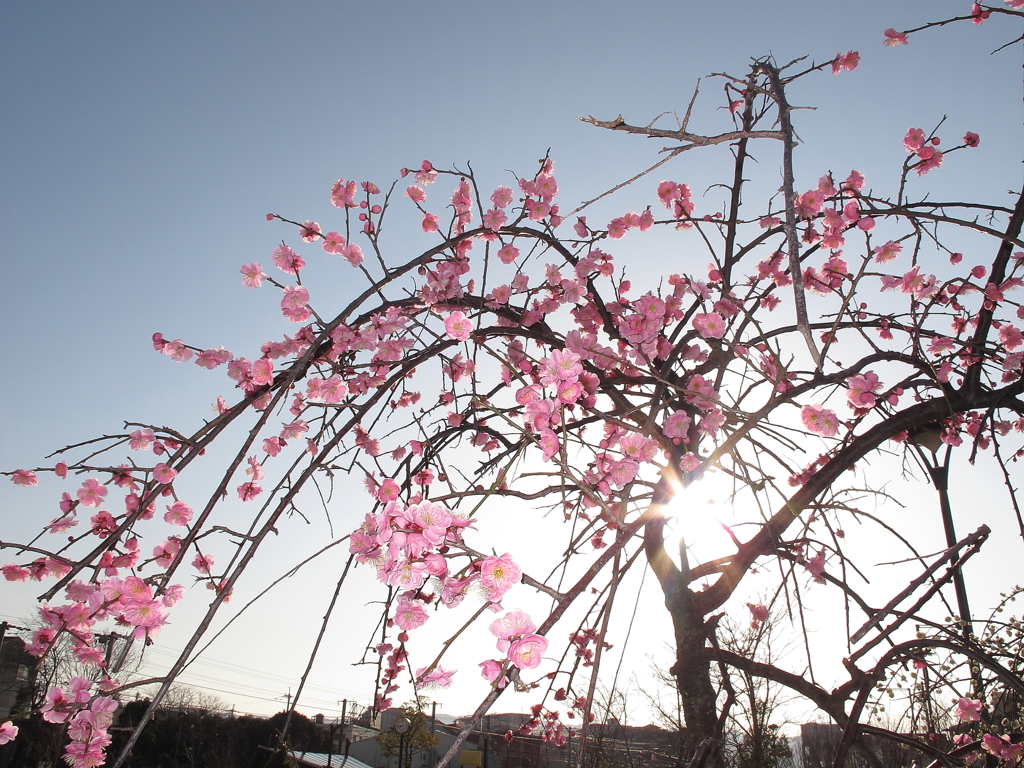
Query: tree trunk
(693, 676)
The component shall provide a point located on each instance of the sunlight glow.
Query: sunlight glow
(698, 512)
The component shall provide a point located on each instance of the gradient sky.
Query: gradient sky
(142, 144)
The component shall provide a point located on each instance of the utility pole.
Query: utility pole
(487, 739)
(342, 739)
(107, 641)
(433, 728)
(939, 473)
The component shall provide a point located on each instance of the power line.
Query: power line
(250, 672)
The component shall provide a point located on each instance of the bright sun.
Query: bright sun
(697, 514)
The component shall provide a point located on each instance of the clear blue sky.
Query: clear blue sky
(142, 143)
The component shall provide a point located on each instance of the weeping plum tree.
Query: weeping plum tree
(511, 368)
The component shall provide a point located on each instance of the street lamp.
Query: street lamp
(402, 726)
(932, 441)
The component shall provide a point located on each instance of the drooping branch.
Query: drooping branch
(911, 418)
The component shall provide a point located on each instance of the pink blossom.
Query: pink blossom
(491, 670)
(203, 563)
(92, 493)
(701, 393)
(173, 595)
(458, 326)
(968, 710)
(429, 222)
(710, 325)
(26, 478)
(343, 194)
(388, 491)
(177, 351)
(178, 513)
(255, 469)
(62, 524)
(163, 474)
(854, 181)
(309, 231)
(560, 366)
(252, 275)
(546, 187)
(617, 228)
(861, 390)
(353, 254)
(758, 614)
(677, 426)
(914, 139)
(248, 491)
(287, 260)
(816, 567)
(527, 651)
(712, 422)
(808, 204)
(497, 575)
(1010, 336)
(931, 159)
(501, 197)
(166, 551)
(820, 420)
(410, 614)
(512, 624)
(8, 732)
(426, 175)
(847, 61)
(886, 252)
(103, 524)
(439, 677)
(334, 242)
(294, 430)
(294, 303)
(894, 38)
(548, 443)
(494, 219)
(537, 210)
(508, 253)
(416, 194)
(913, 282)
(1001, 747)
(15, 573)
(147, 613)
(211, 358)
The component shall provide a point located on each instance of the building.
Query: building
(15, 671)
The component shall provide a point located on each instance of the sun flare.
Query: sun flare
(698, 513)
